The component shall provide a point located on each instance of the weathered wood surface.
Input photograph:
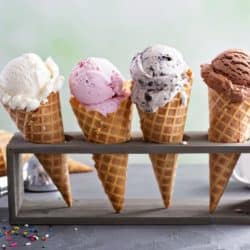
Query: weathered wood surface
(195, 142)
(136, 211)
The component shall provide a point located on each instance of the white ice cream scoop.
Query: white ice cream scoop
(27, 81)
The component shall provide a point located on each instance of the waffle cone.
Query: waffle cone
(2, 163)
(114, 128)
(78, 167)
(166, 125)
(45, 126)
(4, 139)
(229, 122)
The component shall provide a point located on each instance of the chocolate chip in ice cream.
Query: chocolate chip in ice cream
(165, 57)
(141, 81)
(148, 97)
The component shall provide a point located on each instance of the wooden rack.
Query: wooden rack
(21, 211)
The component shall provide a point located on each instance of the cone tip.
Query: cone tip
(118, 208)
(212, 208)
(167, 204)
(214, 201)
(69, 202)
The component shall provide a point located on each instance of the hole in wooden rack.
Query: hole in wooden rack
(186, 137)
(242, 208)
(68, 137)
(239, 211)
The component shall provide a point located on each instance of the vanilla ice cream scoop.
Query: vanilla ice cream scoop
(159, 73)
(27, 81)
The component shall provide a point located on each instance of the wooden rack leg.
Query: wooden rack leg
(15, 184)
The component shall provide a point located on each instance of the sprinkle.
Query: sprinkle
(29, 232)
(35, 237)
(184, 142)
(32, 237)
(25, 233)
(43, 238)
(13, 244)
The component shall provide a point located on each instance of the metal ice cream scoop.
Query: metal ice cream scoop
(35, 177)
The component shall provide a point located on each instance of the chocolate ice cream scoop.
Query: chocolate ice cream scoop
(229, 72)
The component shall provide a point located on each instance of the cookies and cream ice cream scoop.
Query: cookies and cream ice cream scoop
(159, 73)
(27, 81)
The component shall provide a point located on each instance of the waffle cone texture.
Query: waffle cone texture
(4, 139)
(2, 163)
(44, 126)
(229, 123)
(114, 128)
(166, 125)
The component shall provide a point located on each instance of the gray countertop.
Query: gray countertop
(141, 184)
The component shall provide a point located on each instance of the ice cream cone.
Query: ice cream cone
(229, 122)
(114, 128)
(166, 125)
(45, 126)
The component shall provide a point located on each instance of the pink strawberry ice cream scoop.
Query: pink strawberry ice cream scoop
(98, 85)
